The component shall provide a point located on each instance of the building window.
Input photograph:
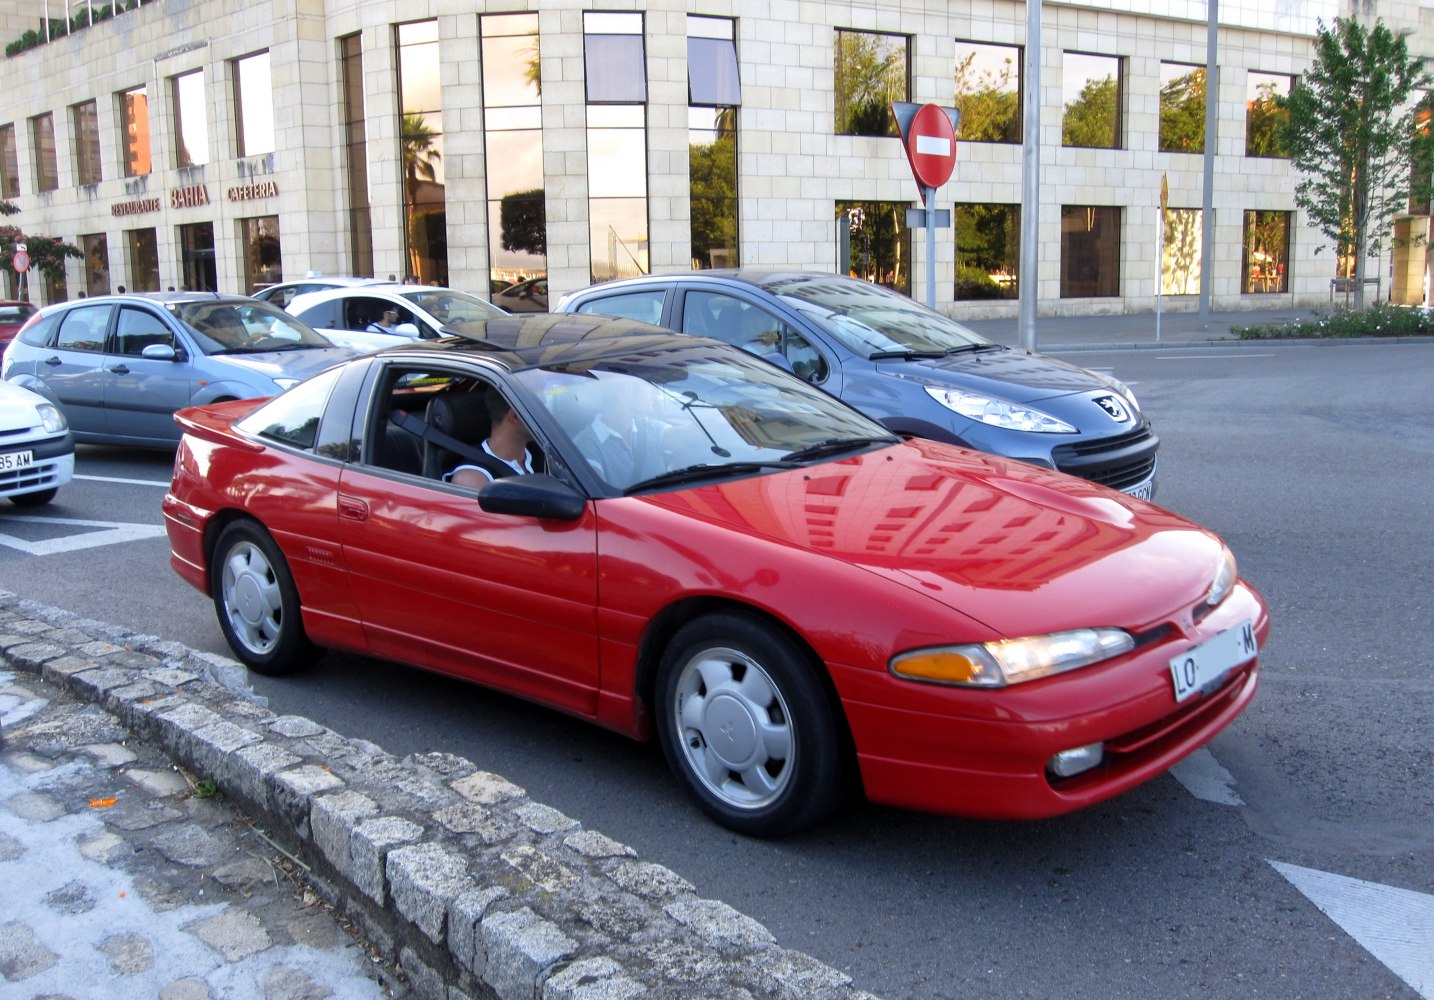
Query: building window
(191, 119)
(1266, 252)
(714, 92)
(96, 249)
(420, 131)
(1421, 175)
(1264, 114)
(259, 242)
(86, 122)
(513, 135)
(198, 269)
(254, 105)
(134, 115)
(988, 92)
(143, 252)
(57, 289)
(1090, 95)
(1182, 108)
(42, 141)
(1180, 252)
(988, 249)
(351, 113)
(9, 163)
(871, 71)
(617, 144)
(1090, 251)
(878, 242)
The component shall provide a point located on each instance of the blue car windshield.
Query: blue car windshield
(870, 320)
(244, 327)
(449, 306)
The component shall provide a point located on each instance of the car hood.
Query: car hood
(991, 538)
(1005, 373)
(289, 364)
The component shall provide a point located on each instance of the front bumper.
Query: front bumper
(983, 754)
(52, 466)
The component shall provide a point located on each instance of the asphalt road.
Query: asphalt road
(1315, 463)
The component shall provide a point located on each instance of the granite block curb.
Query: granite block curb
(454, 873)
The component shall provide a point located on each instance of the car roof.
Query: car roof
(154, 298)
(531, 339)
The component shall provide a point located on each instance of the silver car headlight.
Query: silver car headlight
(998, 412)
(51, 418)
(1225, 576)
(1012, 661)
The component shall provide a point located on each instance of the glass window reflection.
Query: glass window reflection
(254, 94)
(191, 122)
(988, 92)
(134, 120)
(42, 137)
(86, 122)
(1090, 95)
(513, 136)
(615, 64)
(421, 148)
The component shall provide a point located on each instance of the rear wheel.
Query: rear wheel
(747, 726)
(257, 602)
(35, 499)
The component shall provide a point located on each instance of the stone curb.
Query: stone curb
(1230, 340)
(472, 888)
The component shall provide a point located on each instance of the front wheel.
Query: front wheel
(747, 726)
(35, 499)
(257, 602)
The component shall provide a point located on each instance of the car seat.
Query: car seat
(461, 415)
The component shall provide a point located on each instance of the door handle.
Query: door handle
(353, 509)
(120, 369)
(52, 361)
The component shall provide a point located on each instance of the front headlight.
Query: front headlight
(1012, 661)
(1225, 577)
(998, 412)
(51, 419)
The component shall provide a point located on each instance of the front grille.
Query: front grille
(1119, 462)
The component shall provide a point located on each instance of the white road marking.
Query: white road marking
(1204, 777)
(130, 482)
(1187, 356)
(1394, 925)
(105, 533)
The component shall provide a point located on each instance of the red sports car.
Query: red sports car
(704, 547)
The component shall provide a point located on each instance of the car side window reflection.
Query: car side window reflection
(643, 306)
(753, 329)
(83, 328)
(293, 417)
(138, 329)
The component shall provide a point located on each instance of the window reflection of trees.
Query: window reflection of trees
(988, 92)
(421, 149)
(1266, 114)
(988, 239)
(712, 154)
(1182, 108)
(870, 73)
(1180, 259)
(1092, 101)
(880, 242)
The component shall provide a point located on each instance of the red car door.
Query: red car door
(510, 602)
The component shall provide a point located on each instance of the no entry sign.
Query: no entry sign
(928, 133)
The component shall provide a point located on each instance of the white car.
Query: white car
(283, 293)
(347, 315)
(37, 451)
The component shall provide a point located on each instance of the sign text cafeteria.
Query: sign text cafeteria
(193, 197)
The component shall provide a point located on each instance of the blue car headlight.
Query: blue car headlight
(998, 412)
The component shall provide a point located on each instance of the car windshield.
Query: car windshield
(688, 413)
(874, 321)
(244, 327)
(449, 306)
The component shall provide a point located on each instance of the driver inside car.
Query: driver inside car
(507, 444)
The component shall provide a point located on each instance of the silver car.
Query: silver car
(119, 366)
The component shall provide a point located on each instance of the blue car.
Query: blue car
(119, 366)
(915, 370)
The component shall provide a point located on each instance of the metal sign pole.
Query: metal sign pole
(929, 197)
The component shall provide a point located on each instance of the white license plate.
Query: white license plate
(16, 460)
(1141, 491)
(1207, 664)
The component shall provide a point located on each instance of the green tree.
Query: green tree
(1352, 137)
(989, 102)
(47, 254)
(714, 196)
(870, 74)
(1265, 119)
(1182, 113)
(421, 157)
(1091, 119)
(523, 222)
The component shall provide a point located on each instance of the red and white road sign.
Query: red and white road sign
(931, 146)
(21, 260)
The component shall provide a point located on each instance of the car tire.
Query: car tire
(748, 727)
(257, 602)
(35, 499)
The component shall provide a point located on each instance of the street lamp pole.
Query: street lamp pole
(1030, 180)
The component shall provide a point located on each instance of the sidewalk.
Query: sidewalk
(1132, 330)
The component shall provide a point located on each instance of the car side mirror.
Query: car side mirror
(538, 495)
(161, 352)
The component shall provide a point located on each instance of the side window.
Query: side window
(293, 417)
(646, 307)
(39, 334)
(323, 316)
(754, 330)
(83, 328)
(138, 329)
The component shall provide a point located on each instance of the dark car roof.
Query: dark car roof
(531, 339)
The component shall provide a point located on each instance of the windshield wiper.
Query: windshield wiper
(905, 355)
(834, 446)
(703, 470)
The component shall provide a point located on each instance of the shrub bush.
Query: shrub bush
(1380, 320)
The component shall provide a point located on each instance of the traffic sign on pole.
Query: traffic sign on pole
(21, 261)
(928, 134)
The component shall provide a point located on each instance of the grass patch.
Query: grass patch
(1383, 320)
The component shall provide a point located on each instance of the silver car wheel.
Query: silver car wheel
(253, 602)
(737, 732)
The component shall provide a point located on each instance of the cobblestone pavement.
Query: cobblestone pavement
(120, 879)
